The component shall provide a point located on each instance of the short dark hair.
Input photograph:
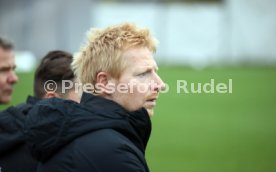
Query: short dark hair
(5, 44)
(56, 66)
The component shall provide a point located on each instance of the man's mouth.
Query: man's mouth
(152, 99)
(151, 102)
(7, 91)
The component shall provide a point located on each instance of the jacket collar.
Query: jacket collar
(32, 100)
(139, 119)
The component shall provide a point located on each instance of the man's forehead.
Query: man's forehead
(139, 57)
(7, 61)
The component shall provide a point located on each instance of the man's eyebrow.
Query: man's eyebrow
(148, 68)
(3, 68)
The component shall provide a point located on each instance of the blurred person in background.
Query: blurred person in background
(110, 128)
(7, 75)
(54, 68)
(14, 153)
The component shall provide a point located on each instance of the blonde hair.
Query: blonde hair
(104, 48)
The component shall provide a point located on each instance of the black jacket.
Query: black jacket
(14, 154)
(97, 135)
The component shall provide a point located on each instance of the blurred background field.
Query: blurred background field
(209, 132)
(199, 40)
(216, 132)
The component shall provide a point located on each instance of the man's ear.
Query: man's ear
(103, 80)
(51, 95)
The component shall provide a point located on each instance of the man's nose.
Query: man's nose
(160, 85)
(12, 78)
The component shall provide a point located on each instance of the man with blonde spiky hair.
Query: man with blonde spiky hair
(119, 54)
(109, 130)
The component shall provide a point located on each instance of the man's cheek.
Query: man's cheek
(143, 88)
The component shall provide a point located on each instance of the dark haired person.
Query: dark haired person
(55, 66)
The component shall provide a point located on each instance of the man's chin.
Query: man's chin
(5, 100)
(150, 112)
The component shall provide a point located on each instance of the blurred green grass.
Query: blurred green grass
(216, 132)
(209, 132)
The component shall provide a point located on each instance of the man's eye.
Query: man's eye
(143, 74)
(4, 70)
(7, 69)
